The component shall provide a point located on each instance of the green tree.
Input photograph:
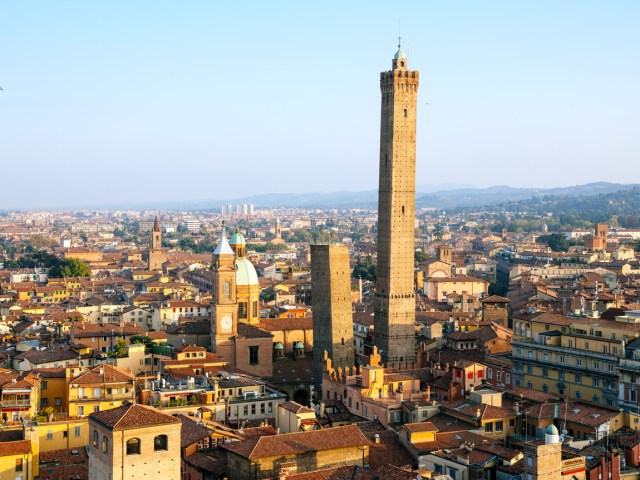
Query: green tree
(120, 350)
(40, 242)
(71, 267)
(420, 256)
(555, 241)
(187, 244)
(365, 269)
(140, 339)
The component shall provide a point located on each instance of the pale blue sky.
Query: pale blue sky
(161, 100)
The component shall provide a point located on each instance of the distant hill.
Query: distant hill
(443, 196)
(621, 205)
(478, 197)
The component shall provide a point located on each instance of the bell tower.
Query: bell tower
(224, 311)
(394, 315)
(156, 255)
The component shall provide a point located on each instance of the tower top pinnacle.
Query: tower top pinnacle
(156, 225)
(399, 54)
(223, 247)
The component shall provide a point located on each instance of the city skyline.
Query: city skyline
(127, 104)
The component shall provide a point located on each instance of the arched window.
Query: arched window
(105, 444)
(96, 438)
(405, 112)
(133, 446)
(226, 290)
(160, 442)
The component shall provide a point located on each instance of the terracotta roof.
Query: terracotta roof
(421, 427)
(190, 348)
(68, 463)
(295, 407)
(588, 415)
(192, 431)
(208, 462)
(447, 423)
(88, 329)
(250, 331)
(298, 443)
(20, 447)
(38, 357)
(131, 416)
(104, 374)
(299, 323)
(59, 372)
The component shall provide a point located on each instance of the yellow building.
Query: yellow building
(577, 357)
(62, 434)
(54, 388)
(17, 460)
(20, 396)
(437, 288)
(417, 433)
(102, 388)
(49, 294)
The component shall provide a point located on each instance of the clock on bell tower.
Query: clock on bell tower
(224, 311)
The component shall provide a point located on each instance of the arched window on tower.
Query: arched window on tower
(160, 442)
(226, 291)
(133, 446)
(405, 112)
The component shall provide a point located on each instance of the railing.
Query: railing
(104, 396)
(566, 350)
(118, 396)
(633, 365)
(16, 403)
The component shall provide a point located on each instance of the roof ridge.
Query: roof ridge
(128, 409)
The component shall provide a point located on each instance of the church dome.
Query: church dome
(237, 239)
(552, 430)
(279, 346)
(245, 272)
(399, 54)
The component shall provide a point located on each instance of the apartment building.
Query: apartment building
(577, 357)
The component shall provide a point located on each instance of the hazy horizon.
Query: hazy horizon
(124, 103)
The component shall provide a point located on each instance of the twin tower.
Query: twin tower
(394, 316)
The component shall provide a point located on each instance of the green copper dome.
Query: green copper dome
(279, 346)
(245, 272)
(237, 239)
(298, 345)
(399, 54)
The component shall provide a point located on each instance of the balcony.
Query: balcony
(630, 365)
(529, 343)
(118, 396)
(15, 403)
(104, 397)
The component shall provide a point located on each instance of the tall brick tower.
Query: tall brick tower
(331, 298)
(395, 301)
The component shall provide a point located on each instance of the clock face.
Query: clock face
(226, 323)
